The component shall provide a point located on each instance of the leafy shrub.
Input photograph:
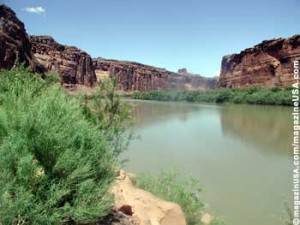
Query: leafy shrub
(170, 187)
(251, 90)
(239, 98)
(288, 88)
(105, 111)
(56, 165)
(284, 98)
(52, 77)
(223, 96)
(250, 95)
(275, 89)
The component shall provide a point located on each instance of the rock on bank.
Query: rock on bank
(146, 209)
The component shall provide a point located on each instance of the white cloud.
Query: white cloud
(37, 10)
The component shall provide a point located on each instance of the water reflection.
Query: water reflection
(267, 127)
(150, 112)
(239, 153)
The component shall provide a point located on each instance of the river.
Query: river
(240, 153)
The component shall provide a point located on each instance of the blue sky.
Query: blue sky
(195, 34)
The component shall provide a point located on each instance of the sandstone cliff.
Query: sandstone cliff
(133, 76)
(269, 63)
(43, 53)
(15, 47)
(74, 65)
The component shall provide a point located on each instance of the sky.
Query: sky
(194, 34)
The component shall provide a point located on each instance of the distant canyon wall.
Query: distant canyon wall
(132, 76)
(269, 63)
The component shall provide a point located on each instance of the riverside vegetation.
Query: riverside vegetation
(250, 95)
(171, 186)
(58, 157)
(59, 154)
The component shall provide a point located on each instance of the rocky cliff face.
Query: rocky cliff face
(133, 76)
(269, 63)
(43, 53)
(15, 47)
(74, 65)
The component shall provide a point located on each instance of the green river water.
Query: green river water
(240, 153)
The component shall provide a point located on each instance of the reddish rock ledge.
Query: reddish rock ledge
(132, 76)
(269, 63)
(74, 65)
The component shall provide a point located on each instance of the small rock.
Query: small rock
(126, 209)
(148, 209)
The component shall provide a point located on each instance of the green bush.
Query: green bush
(56, 165)
(223, 96)
(170, 186)
(250, 95)
(52, 77)
(105, 111)
(239, 98)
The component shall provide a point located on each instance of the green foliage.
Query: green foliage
(107, 113)
(251, 95)
(52, 77)
(56, 165)
(223, 96)
(168, 186)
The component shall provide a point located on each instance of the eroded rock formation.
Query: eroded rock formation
(43, 53)
(15, 47)
(269, 63)
(74, 65)
(133, 76)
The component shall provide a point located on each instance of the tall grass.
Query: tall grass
(171, 186)
(56, 160)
